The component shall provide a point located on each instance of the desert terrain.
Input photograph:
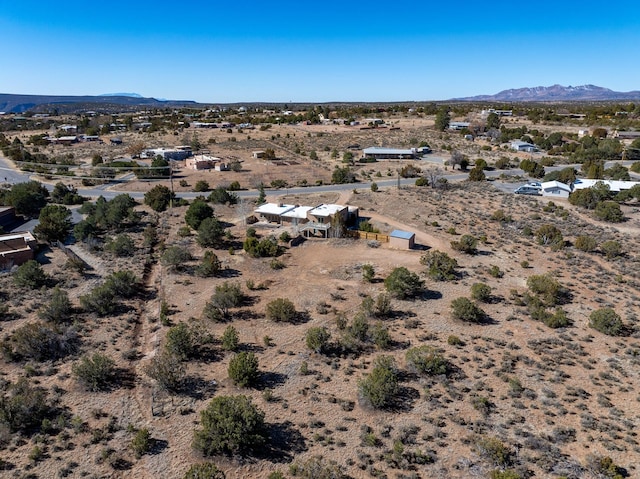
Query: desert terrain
(518, 397)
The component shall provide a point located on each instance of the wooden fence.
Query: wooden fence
(368, 236)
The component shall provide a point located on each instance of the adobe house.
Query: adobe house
(402, 239)
(16, 248)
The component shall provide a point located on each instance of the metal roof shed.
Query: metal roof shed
(402, 239)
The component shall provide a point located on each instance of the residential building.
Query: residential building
(379, 153)
(556, 189)
(519, 145)
(16, 248)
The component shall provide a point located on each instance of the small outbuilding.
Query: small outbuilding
(402, 239)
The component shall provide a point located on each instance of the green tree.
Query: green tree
(210, 233)
(493, 121)
(66, 195)
(608, 211)
(547, 288)
(27, 198)
(230, 339)
(550, 235)
(243, 369)
(477, 174)
(30, 275)
(403, 284)
(440, 266)
(317, 338)
(201, 185)
(54, 223)
(442, 120)
(167, 370)
(198, 211)
(142, 442)
(281, 310)
(23, 407)
(230, 425)
(342, 175)
(159, 198)
(465, 310)
(96, 372)
(607, 321)
(379, 388)
(181, 341)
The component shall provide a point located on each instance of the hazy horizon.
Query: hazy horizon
(297, 52)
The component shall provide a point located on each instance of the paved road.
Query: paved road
(15, 176)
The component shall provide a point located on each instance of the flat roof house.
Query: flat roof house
(273, 212)
(379, 153)
(16, 248)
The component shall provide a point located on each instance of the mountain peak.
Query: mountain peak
(557, 93)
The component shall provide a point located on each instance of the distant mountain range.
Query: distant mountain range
(10, 103)
(556, 93)
(132, 95)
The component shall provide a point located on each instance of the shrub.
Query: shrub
(210, 265)
(123, 284)
(167, 370)
(316, 468)
(368, 273)
(585, 243)
(495, 271)
(230, 339)
(181, 341)
(379, 388)
(481, 292)
(58, 309)
(380, 336)
(281, 310)
(546, 288)
(221, 196)
(467, 244)
(494, 450)
(607, 321)
(465, 310)
(230, 425)
(175, 257)
(454, 340)
(41, 342)
(243, 369)
(426, 360)
(611, 249)
(159, 198)
(609, 211)
(206, 470)
(23, 407)
(100, 300)
(557, 320)
(142, 442)
(201, 185)
(440, 266)
(122, 246)
(197, 212)
(402, 283)
(96, 372)
(30, 275)
(226, 296)
(549, 235)
(477, 173)
(317, 338)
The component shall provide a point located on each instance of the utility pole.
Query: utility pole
(171, 182)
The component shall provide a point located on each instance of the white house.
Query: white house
(615, 186)
(390, 153)
(555, 189)
(459, 125)
(518, 145)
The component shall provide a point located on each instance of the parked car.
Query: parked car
(528, 190)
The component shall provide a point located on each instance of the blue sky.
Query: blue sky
(286, 51)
